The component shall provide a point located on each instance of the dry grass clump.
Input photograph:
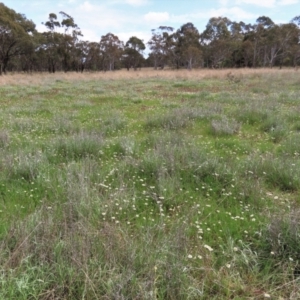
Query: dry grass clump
(291, 145)
(175, 119)
(77, 146)
(24, 166)
(225, 126)
(4, 138)
(283, 234)
(279, 251)
(197, 74)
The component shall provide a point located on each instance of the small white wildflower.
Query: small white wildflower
(228, 266)
(208, 248)
(190, 256)
(267, 295)
(235, 249)
(291, 259)
(272, 253)
(199, 256)
(103, 185)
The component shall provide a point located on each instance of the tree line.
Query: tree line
(223, 44)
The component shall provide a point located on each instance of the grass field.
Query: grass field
(150, 185)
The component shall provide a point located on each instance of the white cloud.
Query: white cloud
(263, 3)
(223, 2)
(157, 17)
(288, 2)
(100, 17)
(89, 35)
(182, 19)
(87, 6)
(136, 2)
(143, 35)
(234, 13)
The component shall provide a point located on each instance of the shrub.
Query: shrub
(281, 242)
(77, 146)
(4, 139)
(175, 119)
(275, 127)
(291, 145)
(224, 126)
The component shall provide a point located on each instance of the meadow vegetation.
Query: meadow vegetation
(150, 185)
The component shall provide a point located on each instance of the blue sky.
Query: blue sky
(127, 18)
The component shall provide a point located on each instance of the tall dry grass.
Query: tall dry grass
(44, 78)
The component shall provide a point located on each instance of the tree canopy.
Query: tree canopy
(222, 44)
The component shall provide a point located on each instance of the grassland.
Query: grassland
(150, 185)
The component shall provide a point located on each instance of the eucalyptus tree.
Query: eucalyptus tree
(52, 41)
(283, 38)
(15, 35)
(273, 43)
(216, 39)
(61, 41)
(192, 56)
(161, 44)
(79, 56)
(260, 38)
(133, 53)
(93, 59)
(69, 49)
(111, 49)
(295, 49)
(242, 45)
(239, 50)
(187, 48)
(33, 60)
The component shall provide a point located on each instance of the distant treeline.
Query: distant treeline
(223, 44)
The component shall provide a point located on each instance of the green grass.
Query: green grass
(150, 189)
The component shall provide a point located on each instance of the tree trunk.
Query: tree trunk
(190, 64)
(155, 63)
(254, 55)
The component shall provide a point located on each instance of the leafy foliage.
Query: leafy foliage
(223, 43)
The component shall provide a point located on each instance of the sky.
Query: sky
(126, 18)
